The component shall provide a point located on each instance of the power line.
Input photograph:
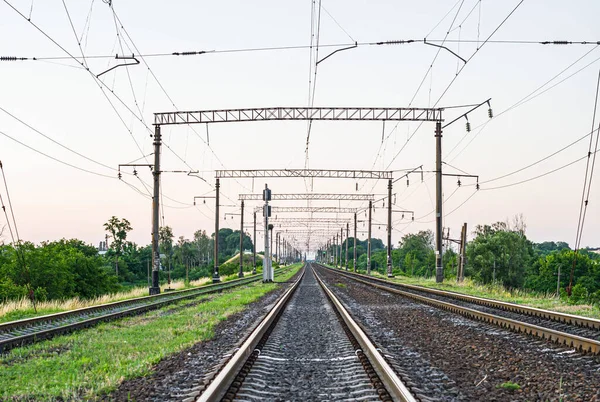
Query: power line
(532, 95)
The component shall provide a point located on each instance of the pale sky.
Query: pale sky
(65, 103)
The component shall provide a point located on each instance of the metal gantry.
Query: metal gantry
(298, 113)
(287, 114)
(310, 196)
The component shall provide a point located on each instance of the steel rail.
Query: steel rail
(563, 318)
(151, 302)
(389, 378)
(220, 384)
(577, 342)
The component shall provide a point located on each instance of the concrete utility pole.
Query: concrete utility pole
(254, 248)
(241, 273)
(463, 247)
(216, 276)
(335, 251)
(155, 288)
(369, 241)
(439, 268)
(347, 237)
(389, 231)
(267, 262)
(341, 246)
(355, 242)
(558, 283)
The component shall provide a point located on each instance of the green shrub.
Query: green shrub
(579, 294)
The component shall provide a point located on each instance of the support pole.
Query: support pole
(463, 253)
(254, 248)
(355, 241)
(341, 246)
(216, 278)
(347, 237)
(389, 231)
(267, 272)
(369, 241)
(439, 269)
(155, 288)
(241, 273)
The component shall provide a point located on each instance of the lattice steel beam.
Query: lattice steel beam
(310, 196)
(308, 224)
(298, 113)
(310, 209)
(319, 173)
(309, 220)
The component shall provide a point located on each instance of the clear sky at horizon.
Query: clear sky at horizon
(64, 102)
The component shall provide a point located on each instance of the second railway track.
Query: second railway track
(578, 332)
(17, 333)
(307, 348)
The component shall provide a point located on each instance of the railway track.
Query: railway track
(17, 333)
(307, 348)
(580, 333)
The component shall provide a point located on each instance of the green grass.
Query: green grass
(92, 362)
(340, 285)
(509, 385)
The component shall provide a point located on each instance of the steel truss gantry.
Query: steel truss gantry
(309, 196)
(305, 173)
(286, 114)
(299, 113)
(334, 210)
(309, 220)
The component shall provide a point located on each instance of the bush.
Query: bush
(579, 294)
(595, 298)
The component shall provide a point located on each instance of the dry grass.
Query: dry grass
(22, 308)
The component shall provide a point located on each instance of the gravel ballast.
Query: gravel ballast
(472, 361)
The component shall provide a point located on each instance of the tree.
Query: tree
(117, 229)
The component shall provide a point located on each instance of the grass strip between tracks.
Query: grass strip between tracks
(88, 363)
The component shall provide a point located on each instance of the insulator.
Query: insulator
(194, 202)
(490, 113)
(204, 201)
(119, 175)
(225, 218)
(477, 186)
(459, 183)
(468, 127)
(413, 218)
(407, 182)
(402, 216)
(134, 172)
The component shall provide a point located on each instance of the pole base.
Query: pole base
(254, 271)
(241, 275)
(390, 275)
(153, 290)
(216, 279)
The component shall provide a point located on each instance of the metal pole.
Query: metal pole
(369, 241)
(439, 269)
(254, 247)
(347, 237)
(558, 283)
(155, 288)
(241, 273)
(355, 242)
(216, 277)
(389, 231)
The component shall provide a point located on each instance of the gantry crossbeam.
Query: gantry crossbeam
(311, 209)
(298, 113)
(308, 220)
(309, 196)
(320, 173)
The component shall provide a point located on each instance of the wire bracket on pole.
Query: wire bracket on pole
(117, 57)
(336, 51)
(443, 47)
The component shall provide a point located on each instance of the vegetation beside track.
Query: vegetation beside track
(92, 362)
(22, 308)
